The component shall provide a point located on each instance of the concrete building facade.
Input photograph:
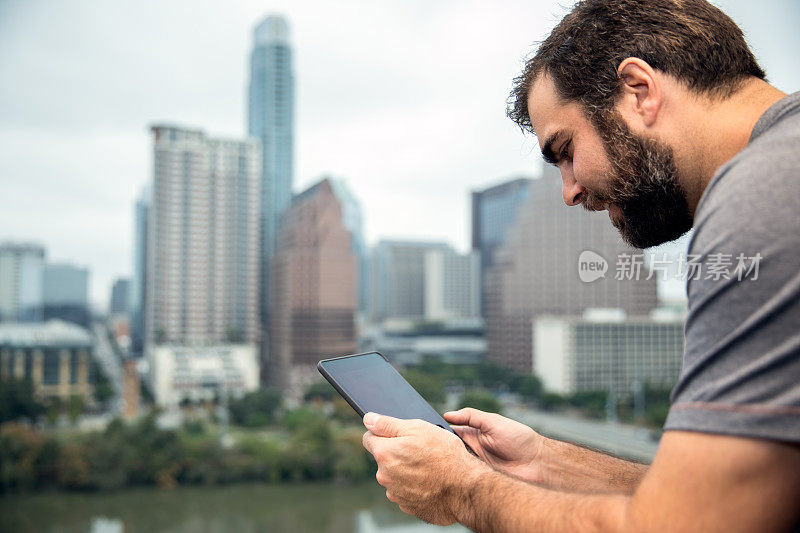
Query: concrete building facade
(397, 278)
(452, 285)
(203, 246)
(578, 354)
(66, 293)
(21, 281)
(536, 272)
(314, 297)
(493, 210)
(201, 373)
(55, 356)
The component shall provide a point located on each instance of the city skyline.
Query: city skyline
(375, 101)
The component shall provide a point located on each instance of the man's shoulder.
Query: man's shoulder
(758, 190)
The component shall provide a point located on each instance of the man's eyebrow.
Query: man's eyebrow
(547, 148)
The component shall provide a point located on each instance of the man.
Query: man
(657, 112)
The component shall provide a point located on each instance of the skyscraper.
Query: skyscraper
(536, 272)
(493, 211)
(397, 278)
(138, 295)
(315, 290)
(452, 285)
(120, 292)
(66, 293)
(203, 244)
(271, 120)
(21, 281)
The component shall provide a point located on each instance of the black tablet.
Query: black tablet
(370, 384)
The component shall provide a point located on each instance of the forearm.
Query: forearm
(572, 468)
(493, 501)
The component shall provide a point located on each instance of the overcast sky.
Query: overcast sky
(403, 99)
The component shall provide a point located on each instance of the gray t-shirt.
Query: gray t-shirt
(741, 366)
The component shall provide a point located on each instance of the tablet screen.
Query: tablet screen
(374, 385)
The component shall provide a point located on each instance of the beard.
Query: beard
(644, 186)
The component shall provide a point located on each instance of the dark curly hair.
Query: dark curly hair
(691, 40)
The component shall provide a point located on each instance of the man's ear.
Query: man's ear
(641, 91)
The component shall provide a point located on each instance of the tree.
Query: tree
(431, 388)
(256, 408)
(17, 400)
(530, 387)
(477, 399)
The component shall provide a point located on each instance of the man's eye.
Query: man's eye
(565, 151)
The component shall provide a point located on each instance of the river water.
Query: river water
(301, 508)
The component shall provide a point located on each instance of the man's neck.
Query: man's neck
(723, 130)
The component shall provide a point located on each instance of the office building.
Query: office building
(406, 342)
(66, 293)
(203, 243)
(536, 272)
(54, 356)
(199, 373)
(397, 278)
(493, 211)
(120, 293)
(138, 295)
(314, 297)
(271, 120)
(452, 285)
(21, 279)
(618, 355)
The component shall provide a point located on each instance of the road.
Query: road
(619, 439)
(110, 364)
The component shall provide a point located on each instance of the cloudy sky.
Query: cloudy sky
(403, 99)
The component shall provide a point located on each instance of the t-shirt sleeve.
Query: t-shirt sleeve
(741, 368)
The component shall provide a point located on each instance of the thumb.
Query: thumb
(382, 425)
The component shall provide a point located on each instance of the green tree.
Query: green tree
(530, 387)
(483, 400)
(321, 390)
(18, 401)
(430, 387)
(257, 408)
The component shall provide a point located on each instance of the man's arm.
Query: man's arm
(519, 451)
(698, 482)
(573, 468)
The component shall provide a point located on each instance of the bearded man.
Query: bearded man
(656, 111)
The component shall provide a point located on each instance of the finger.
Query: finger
(471, 438)
(386, 426)
(470, 417)
(368, 440)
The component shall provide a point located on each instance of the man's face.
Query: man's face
(604, 165)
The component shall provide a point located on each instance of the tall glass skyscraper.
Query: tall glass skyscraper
(271, 119)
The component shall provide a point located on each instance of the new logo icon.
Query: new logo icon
(591, 266)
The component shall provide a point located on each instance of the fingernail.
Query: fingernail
(370, 419)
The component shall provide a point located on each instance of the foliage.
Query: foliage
(257, 408)
(321, 390)
(17, 401)
(103, 391)
(482, 400)
(431, 387)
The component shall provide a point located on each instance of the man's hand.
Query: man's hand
(503, 443)
(517, 450)
(425, 469)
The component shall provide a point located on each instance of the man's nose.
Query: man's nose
(572, 191)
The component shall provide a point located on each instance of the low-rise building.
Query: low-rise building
(55, 356)
(200, 373)
(607, 352)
